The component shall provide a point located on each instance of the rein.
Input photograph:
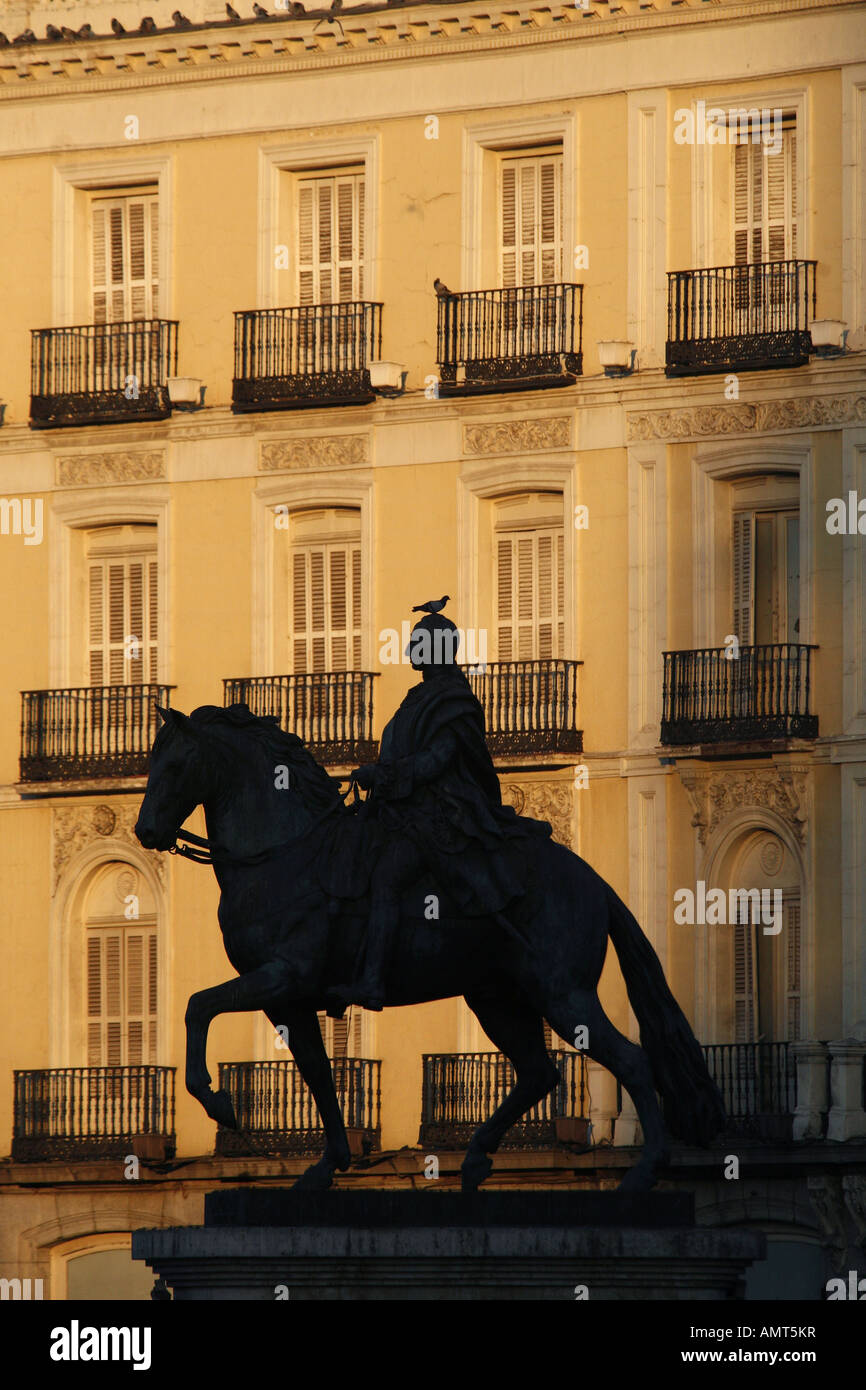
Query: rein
(209, 853)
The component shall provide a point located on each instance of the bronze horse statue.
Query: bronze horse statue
(273, 813)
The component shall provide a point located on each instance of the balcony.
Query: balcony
(529, 706)
(312, 355)
(89, 731)
(277, 1115)
(761, 695)
(758, 1082)
(740, 317)
(517, 339)
(102, 373)
(73, 1113)
(462, 1089)
(331, 711)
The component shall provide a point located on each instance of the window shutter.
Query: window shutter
(743, 587)
(529, 594)
(791, 912)
(531, 221)
(121, 996)
(326, 603)
(745, 1003)
(123, 603)
(125, 257)
(331, 239)
(765, 201)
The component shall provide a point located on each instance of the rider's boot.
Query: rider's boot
(369, 990)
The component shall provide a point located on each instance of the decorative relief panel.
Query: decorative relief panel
(75, 827)
(324, 451)
(716, 795)
(79, 470)
(550, 801)
(517, 436)
(793, 413)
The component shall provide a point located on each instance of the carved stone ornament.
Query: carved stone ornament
(550, 801)
(78, 470)
(825, 1196)
(517, 436)
(796, 412)
(716, 795)
(75, 827)
(323, 451)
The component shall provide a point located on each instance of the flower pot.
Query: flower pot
(616, 355)
(386, 376)
(826, 333)
(184, 390)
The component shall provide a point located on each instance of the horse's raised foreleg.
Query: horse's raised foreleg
(314, 1064)
(518, 1032)
(246, 993)
(630, 1065)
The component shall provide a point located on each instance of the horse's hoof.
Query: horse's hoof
(318, 1178)
(219, 1106)
(474, 1170)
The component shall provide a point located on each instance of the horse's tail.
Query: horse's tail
(691, 1100)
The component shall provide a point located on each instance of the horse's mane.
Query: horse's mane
(317, 789)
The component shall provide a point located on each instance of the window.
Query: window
(342, 1036)
(767, 979)
(766, 576)
(122, 605)
(530, 203)
(120, 945)
(330, 238)
(326, 590)
(529, 577)
(125, 257)
(765, 200)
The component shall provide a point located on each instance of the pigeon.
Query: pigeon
(334, 10)
(28, 36)
(118, 28)
(296, 9)
(147, 26)
(442, 290)
(232, 14)
(260, 12)
(180, 20)
(53, 33)
(433, 605)
(85, 32)
(68, 33)
(4, 42)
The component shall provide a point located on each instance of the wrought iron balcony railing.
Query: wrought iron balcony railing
(332, 711)
(763, 693)
(102, 373)
(514, 339)
(529, 706)
(90, 1112)
(314, 354)
(758, 1082)
(460, 1090)
(89, 731)
(740, 317)
(276, 1112)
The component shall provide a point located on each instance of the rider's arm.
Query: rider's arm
(425, 766)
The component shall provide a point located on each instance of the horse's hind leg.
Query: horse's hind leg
(314, 1064)
(629, 1064)
(518, 1032)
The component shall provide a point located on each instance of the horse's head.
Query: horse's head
(175, 785)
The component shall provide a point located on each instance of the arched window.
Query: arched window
(529, 576)
(119, 946)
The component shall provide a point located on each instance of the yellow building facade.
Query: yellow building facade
(244, 434)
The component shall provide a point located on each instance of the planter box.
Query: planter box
(184, 390)
(826, 333)
(615, 355)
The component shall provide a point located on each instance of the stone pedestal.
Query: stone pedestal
(847, 1116)
(264, 1245)
(812, 1095)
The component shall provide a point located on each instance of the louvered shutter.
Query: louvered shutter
(531, 221)
(766, 201)
(530, 586)
(791, 917)
(125, 258)
(341, 1036)
(743, 577)
(745, 980)
(123, 603)
(121, 996)
(326, 607)
(330, 245)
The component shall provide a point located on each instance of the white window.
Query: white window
(772, 961)
(120, 970)
(529, 578)
(330, 240)
(122, 608)
(530, 201)
(765, 200)
(766, 576)
(326, 591)
(125, 257)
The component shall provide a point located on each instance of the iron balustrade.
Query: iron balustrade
(764, 692)
(277, 1114)
(312, 354)
(740, 316)
(331, 711)
(90, 1112)
(529, 706)
(461, 1090)
(102, 373)
(89, 731)
(510, 339)
(755, 1078)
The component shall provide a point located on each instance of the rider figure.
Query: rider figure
(435, 796)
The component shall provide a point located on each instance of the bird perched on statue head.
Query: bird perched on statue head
(441, 288)
(433, 605)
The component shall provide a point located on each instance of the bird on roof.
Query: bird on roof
(180, 21)
(27, 36)
(4, 42)
(331, 17)
(232, 14)
(296, 9)
(147, 26)
(260, 12)
(67, 32)
(118, 28)
(433, 605)
(442, 290)
(52, 32)
(85, 32)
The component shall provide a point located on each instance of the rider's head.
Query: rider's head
(434, 643)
